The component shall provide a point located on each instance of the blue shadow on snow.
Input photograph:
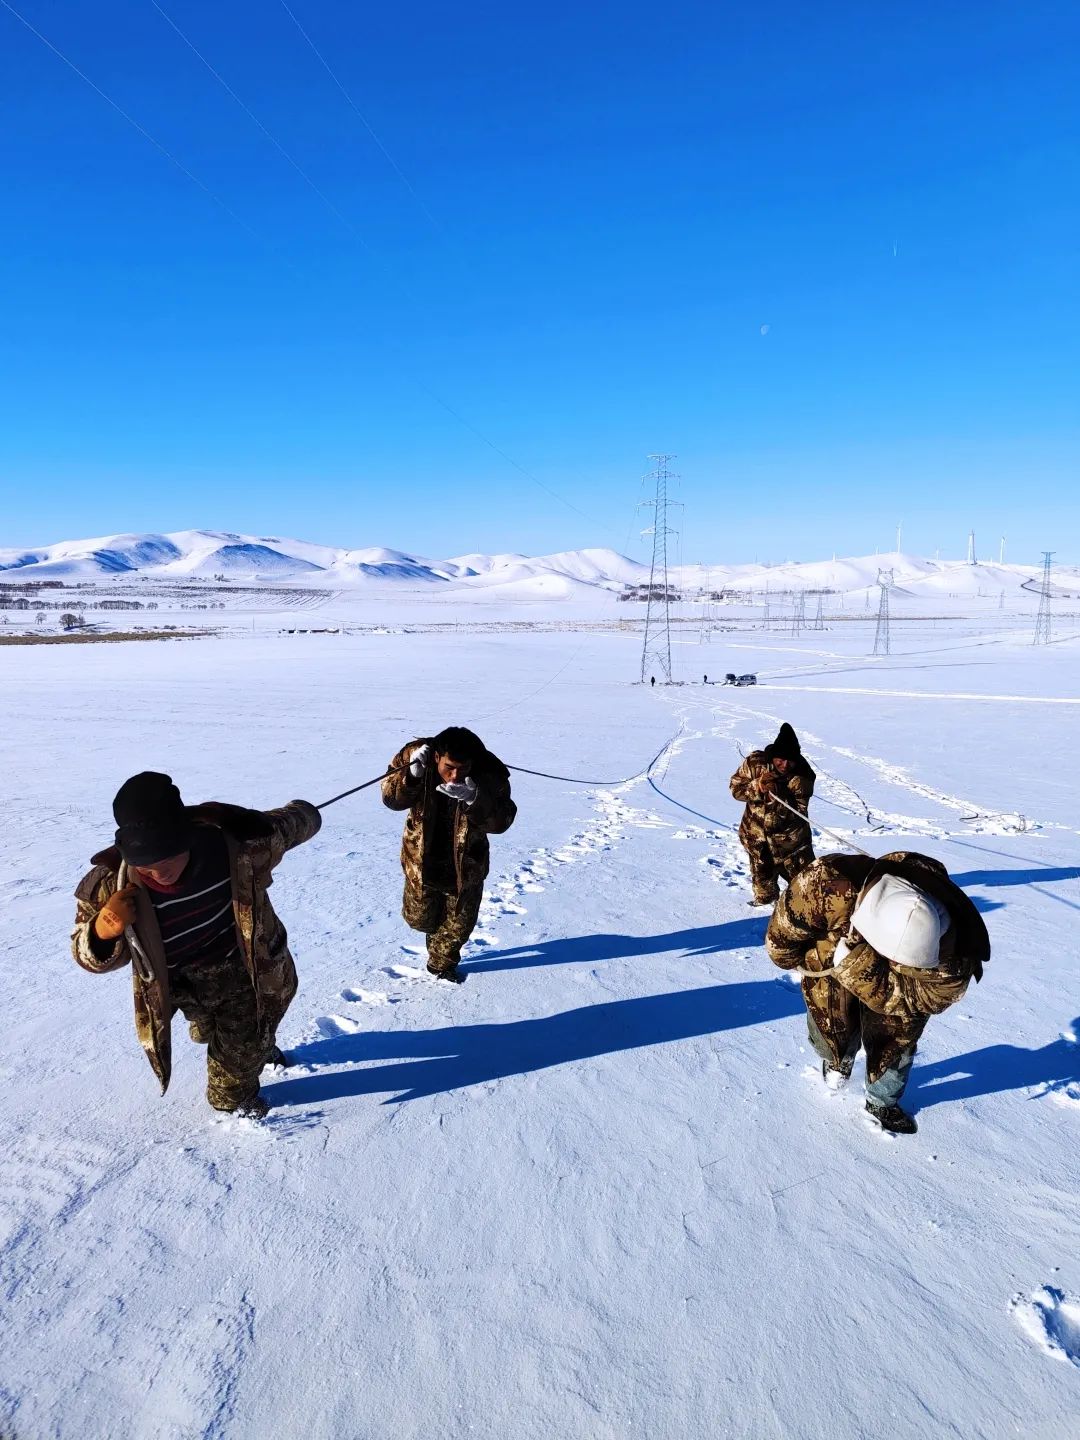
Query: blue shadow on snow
(998, 1068)
(428, 1062)
(1018, 877)
(748, 934)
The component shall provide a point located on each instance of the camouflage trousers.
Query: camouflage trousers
(218, 1002)
(768, 868)
(890, 1052)
(446, 920)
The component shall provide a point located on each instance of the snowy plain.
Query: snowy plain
(599, 1191)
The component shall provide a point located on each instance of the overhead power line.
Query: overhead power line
(256, 121)
(260, 239)
(141, 129)
(360, 114)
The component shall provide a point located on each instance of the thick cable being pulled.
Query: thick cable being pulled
(519, 770)
(821, 829)
(365, 786)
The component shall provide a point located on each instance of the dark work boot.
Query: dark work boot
(278, 1057)
(449, 972)
(254, 1109)
(892, 1118)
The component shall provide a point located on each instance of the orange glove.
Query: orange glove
(116, 914)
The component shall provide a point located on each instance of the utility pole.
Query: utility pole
(767, 622)
(1042, 620)
(656, 648)
(881, 634)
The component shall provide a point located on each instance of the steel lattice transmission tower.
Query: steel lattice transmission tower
(656, 648)
(882, 641)
(819, 618)
(1042, 619)
(708, 611)
(798, 613)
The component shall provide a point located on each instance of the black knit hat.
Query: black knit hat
(152, 823)
(786, 745)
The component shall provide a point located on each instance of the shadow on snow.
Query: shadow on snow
(418, 1063)
(747, 934)
(998, 1068)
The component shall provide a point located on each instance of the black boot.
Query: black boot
(892, 1118)
(453, 975)
(279, 1058)
(254, 1109)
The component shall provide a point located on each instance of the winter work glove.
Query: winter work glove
(465, 791)
(116, 914)
(765, 784)
(419, 761)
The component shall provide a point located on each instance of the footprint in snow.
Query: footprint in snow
(334, 1025)
(1050, 1319)
(407, 972)
(355, 995)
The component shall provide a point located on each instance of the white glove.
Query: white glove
(419, 760)
(840, 954)
(465, 791)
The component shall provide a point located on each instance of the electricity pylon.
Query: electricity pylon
(798, 613)
(1042, 619)
(881, 634)
(656, 648)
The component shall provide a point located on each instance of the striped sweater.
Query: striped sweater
(195, 915)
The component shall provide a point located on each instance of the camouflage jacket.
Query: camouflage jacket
(491, 813)
(814, 914)
(256, 842)
(764, 822)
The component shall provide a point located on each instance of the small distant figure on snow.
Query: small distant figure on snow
(457, 793)
(777, 843)
(652, 680)
(882, 945)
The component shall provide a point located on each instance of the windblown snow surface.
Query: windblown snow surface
(599, 1191)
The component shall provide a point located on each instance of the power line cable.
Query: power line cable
(256, 121)
(190, 175)
(360, 115)
(141, 129)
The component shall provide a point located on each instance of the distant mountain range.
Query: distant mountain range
(269, 558)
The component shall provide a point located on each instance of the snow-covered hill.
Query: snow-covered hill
(270, 558)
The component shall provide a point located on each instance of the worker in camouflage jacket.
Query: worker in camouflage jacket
(777, 843)
(881, 945)
(182, 898)
(457, 793)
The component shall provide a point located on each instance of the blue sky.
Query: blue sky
(603, 207)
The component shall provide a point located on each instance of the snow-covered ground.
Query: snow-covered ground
(599, 1191)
